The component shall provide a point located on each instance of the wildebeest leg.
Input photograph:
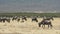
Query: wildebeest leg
(36, 20)
(3, 21)
(43, 26)
(12, 19)
(22, 20)
(8, 21)
(39, 24)
(48, 26)
(0, 20)
(32, 20)
(18, 20)
(51, 26)
(25, 19)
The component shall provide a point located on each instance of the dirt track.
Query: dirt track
(29, 27)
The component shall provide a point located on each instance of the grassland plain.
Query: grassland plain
(29, 27)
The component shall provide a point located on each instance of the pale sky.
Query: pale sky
(29, 5)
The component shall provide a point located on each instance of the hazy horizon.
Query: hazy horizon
(39, 6)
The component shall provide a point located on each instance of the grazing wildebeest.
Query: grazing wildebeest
(46, 22)
(34, 19)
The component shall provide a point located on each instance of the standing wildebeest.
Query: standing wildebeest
(3, 19)
(24, 18)
(34, 19)
(46, 22)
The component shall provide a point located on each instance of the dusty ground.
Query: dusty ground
(29, 27)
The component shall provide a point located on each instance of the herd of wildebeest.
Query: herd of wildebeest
(45, 20)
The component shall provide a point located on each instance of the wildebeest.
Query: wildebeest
(8, 20)
(3, 19)
(18, 19)
(34, 19)
(24, 18)
(46, 22)
(14, 18)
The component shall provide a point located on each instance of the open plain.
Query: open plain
(29, 27)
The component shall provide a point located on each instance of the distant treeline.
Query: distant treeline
(31, 14)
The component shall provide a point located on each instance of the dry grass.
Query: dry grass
(29, 27)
